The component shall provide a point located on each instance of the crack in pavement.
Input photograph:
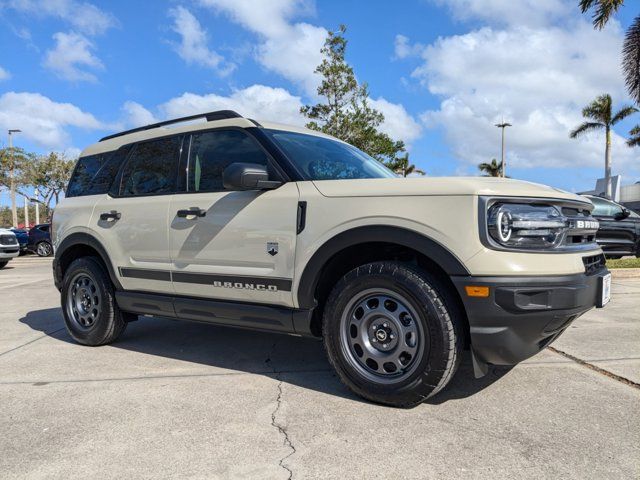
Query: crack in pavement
(597, 369)
(281, 428)
(274, 423)
(45, 334)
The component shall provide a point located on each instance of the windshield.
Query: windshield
(320, 158)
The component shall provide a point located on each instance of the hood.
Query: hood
(402, 187)
(5, 231)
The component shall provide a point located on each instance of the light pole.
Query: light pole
(503, 125)
(37, 202)
(12, 180)
(26, 213)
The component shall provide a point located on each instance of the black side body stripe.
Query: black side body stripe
(228, 281)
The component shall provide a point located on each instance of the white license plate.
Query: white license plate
(605, 290)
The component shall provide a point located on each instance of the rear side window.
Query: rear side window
(94, 174)
(151, 168)
(212, 152)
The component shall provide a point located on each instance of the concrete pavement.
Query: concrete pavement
(178, 399)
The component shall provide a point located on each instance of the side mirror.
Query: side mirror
(623, 214)
(247, 176)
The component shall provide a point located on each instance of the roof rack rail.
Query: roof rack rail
(211, 116)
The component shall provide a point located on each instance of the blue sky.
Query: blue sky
(442, 71)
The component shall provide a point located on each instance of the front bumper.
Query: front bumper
(522, 315)
(9, 252)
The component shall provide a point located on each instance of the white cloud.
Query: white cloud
(510, 12)
(265, 103)
(256, 101)
(136, 115)
(398, 124)
(71, 52)
(193, 47)
(403, 48)
(287, 48)
(83, 16)
(537, 78)
(4, 75)
(42, 120)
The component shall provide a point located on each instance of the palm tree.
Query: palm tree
(601, 113)
(603, 9)
(401, 166)
(634, 141)
(493, 169)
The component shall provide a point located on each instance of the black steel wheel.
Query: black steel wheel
(393, 333)
(381, 336)
(91, 314)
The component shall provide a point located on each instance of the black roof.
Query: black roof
(211, 116)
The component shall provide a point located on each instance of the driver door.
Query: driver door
(231, 245)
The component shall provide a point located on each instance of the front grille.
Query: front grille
(593, 263)
(582, 227)
(8, 240)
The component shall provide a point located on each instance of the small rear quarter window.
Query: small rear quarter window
(94, 174)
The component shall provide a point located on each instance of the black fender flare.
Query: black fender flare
(372, 233)
(81, 238)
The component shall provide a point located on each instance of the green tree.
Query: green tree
(402, 166)
(493, 169)
(634, 140)
(49, 174)
(346, 112)
(13, 162)
(600, 112)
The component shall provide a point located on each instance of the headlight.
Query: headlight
(526, 226)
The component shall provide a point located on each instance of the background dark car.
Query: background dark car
(619, 232)
(23, 239)
(40, 240)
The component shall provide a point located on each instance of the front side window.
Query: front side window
(151, 168)
(604, 208)
(211, 152)
(320, 158)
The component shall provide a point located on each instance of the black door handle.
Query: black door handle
(112, 215)
(192, 212)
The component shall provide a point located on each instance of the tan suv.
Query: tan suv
(278, 228)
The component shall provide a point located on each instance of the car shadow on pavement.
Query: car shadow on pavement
(294, 360)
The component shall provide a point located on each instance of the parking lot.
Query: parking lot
(193, 400)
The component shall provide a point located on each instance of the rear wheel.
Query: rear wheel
(389, 333)
(91, 314)
(44, 249)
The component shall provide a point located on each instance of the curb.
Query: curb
(625, 272)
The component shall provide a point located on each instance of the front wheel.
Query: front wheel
(3, 264)
(91, 314)
(389, 333)
(44, 249)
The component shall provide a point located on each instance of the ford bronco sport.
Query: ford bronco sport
(284, 229)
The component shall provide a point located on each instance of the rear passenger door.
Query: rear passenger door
(242, 245)
(132, 220)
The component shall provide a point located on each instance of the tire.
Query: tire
(90, 312)
(423, 333)
(44, 249)
(3, 264)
